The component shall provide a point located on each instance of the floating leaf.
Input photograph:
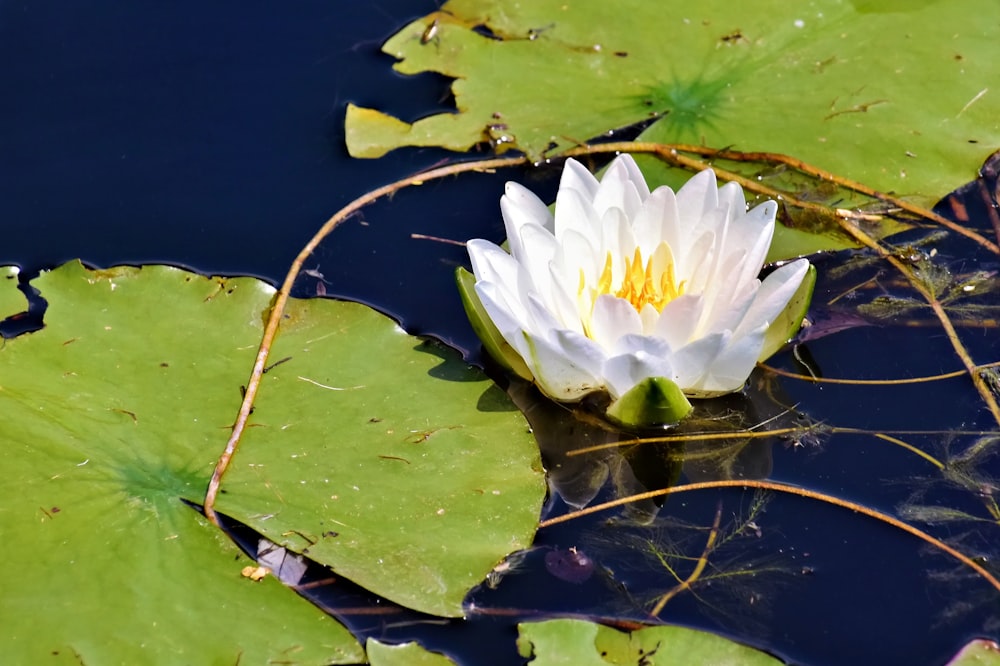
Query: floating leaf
(385, 457)
(112, 414)
(116, 411)
(580, 643)
(978, 653)
(11, 300)
(900, 100)
(405, 654)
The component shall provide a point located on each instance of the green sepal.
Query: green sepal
(498, 348)
(789, 321)
(654, 401)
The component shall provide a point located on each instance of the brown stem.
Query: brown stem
(281, 298)
(699, 567)
(970, 366)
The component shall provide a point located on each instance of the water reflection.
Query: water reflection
(584, 454)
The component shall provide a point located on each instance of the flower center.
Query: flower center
(643, 284)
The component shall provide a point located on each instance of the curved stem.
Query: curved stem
(281, 298)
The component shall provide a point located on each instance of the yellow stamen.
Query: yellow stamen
(641, 285)
(604, 282)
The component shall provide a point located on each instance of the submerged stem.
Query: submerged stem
(793, 490)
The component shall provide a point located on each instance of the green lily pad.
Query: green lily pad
(385, 457)
(405, 654)
(116, 411)
(977, 653)
(11, 300)
(900, 99)
(581, 643)
(113, 413)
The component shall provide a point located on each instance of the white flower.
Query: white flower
(623, 285)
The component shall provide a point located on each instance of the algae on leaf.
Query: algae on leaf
(900, 100)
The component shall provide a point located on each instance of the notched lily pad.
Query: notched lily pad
(385, 457)
(112, 414)
(116, 411)
(772, 76)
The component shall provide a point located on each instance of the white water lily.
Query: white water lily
(622, 286)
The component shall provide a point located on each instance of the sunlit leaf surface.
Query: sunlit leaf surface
(405, 654)
(899, 97)
(579, 643)
(116, 411)
(112, 414)
(385, 457)
(977, 653)
(11, 300)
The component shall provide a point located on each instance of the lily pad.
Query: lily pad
(405, 654)
(112, 414)
(116, 411)
(901, 100)
(11, 300)
(581, 643)
(977, 653)
(385, 457)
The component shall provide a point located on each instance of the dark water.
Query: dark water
(209, 135)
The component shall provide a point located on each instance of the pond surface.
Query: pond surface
(210, 136)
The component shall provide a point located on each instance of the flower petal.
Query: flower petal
(613, 318)
(509, 316)
(657, 222)
(566, 368)
(772, 297)
(634, 175)
(619, 190)
(520, 207)
(692, 361)
(624, 371)
(679, 320)
(731, 197)
(697, 197)
(752, 235)
(618, 242)
(491, 263)
(574, 212)
(729, 370)
(539, 249)
(645, 344)
(564, 303)
(576, 177)
(576, 253)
